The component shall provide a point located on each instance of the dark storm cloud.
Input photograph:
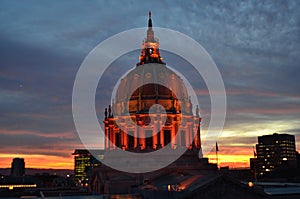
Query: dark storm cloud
(255, 45)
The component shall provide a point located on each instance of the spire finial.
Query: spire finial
(150, 46)
(150, 20)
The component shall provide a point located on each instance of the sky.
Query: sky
(255, 44)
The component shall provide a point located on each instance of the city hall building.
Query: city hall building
(131, 124)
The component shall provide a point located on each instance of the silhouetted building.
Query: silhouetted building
(18, 167)
(276, 151)
(298, 159)
(253, 166)
(83, 164)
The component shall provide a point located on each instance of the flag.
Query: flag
(217, 148)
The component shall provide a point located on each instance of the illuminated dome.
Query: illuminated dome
(151, 82)
(168, 91)
(151, 108)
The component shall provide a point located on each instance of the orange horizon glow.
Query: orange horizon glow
(56, 162)
(233, 157)
(50, 162)
(232, 161)
(39, 161)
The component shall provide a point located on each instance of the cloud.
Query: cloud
(40, 143)
(254, 44)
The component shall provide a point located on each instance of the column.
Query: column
(162, 140)
(113, 134)
(155, 135)
(124, 137)
(191, 134)
(125, 140)
(198, 138)
(136, 134)
(199, 134)
(106, 138)
(111, 137)
(142, 138)
(173, 133)
(187, 136)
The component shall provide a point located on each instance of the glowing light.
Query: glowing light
(284, 159)
(169, 187)
(250, 184)
(11, 187)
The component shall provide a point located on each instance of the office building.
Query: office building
(83, 164)
(17, 167)
(273, 152)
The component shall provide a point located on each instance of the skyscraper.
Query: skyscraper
(275, 151)
(17, 167)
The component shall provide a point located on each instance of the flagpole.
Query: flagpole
(255, 164)
(217, 149)
(217, 158)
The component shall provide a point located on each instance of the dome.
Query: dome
(151, 108)
(150, 84)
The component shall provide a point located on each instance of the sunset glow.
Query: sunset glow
(254, 45)
(39, 161)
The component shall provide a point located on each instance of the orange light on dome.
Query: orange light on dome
(154, 56)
